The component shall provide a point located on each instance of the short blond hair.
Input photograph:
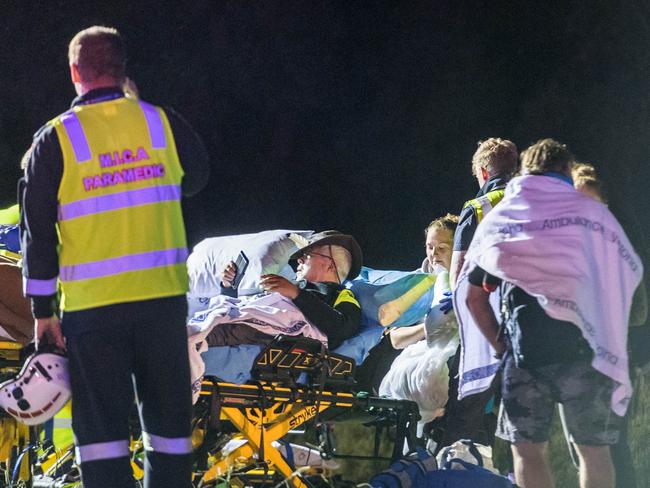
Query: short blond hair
(546, 155)
(584, 176)
(98, 51)
(583, 170)
(448, 222)
(497, 156)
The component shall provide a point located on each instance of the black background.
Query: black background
(353, 115)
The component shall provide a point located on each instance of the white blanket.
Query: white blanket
(270, 313)
(420, 373)
(569, 252)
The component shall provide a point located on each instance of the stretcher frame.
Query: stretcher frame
(264, 412)
(12, 357)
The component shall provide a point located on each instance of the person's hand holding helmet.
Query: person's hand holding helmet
(48, 333)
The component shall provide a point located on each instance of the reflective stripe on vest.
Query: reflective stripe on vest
(154, 122)
(167, 445)
(122, 264)
(102, 450)
(62, 435)
(62, 423)
(76, 136)
(119, 216)
(114, 201)
(346, 296)
(485, 203)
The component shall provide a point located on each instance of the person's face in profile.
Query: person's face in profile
(438, 246)
(314, 264)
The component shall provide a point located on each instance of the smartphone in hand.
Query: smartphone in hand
(240, 268)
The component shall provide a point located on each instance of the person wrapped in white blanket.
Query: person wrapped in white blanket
(420, 373)
(567, 273)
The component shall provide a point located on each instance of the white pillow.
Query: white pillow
(267, 251)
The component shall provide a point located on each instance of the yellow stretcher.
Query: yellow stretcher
(264, 411)
(14, 436)
(20, 445)
(260, 413)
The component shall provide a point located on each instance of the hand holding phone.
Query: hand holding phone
(228, 274)
(241, 263)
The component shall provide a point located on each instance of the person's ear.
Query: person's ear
(485, 174)
(74, 73)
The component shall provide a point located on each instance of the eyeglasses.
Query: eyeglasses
(309, 254)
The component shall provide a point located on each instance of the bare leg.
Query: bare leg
(596, 468)
(532, 469)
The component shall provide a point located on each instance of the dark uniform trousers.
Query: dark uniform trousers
(113, 351)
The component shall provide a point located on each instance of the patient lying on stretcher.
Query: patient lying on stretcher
(322, 264)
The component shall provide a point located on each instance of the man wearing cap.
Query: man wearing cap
(102, 217)
(322, 265)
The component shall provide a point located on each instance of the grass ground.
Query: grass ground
(358, 439)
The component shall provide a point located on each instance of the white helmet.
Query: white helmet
(39, 391)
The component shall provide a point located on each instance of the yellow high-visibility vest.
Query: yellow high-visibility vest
(10, 215)
(120, 225)
(62, 436)
(483, 204)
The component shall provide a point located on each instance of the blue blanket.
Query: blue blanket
(10, 238)
(410, 294)
(234, 363)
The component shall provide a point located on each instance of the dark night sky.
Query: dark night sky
(352, 115)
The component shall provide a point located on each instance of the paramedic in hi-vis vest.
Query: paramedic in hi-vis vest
(102, 220)
(493, 164)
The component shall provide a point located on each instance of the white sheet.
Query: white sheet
(270, 313)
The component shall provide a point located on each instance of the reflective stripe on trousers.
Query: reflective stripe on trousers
(167, 445)
(102, 450)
